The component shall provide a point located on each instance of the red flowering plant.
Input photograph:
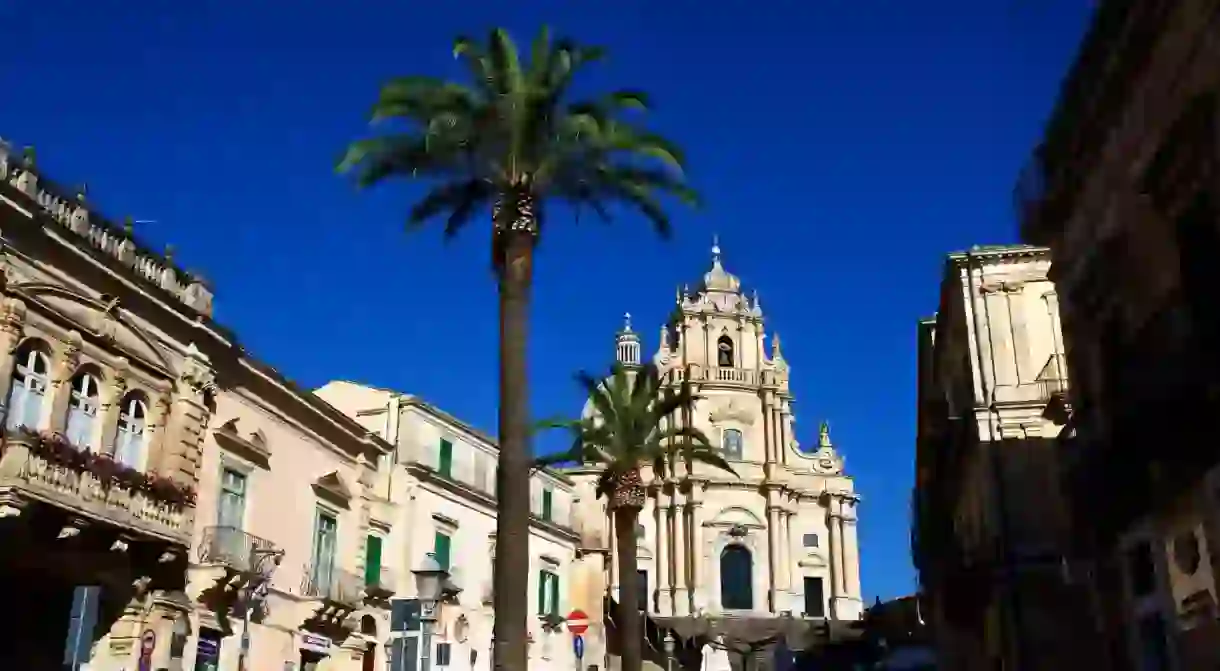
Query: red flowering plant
(57, 450)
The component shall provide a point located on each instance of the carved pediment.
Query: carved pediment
(252, 446)
(735, 517)
(733, 411)
(812, 560)
(332, 488)
(105, 320)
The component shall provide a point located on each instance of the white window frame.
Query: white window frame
(31, 383)
(84, 410)
(741, 442)
(131, 434)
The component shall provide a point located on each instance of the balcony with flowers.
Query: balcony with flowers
(43, 467)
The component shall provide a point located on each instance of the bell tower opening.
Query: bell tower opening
(724, 352)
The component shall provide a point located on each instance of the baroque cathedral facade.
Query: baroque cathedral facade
(776, 541)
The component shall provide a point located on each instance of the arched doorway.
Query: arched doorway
(736, 578)
(368, 627)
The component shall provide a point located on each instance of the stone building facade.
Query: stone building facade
(780, 540)
(227, 518)
(1123, 189)
(989, 524)
(147, 455)
(439, 499)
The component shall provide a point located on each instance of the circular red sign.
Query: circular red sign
(578, 622)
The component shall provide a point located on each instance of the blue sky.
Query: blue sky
(843, 147)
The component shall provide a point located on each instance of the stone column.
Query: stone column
(773, 551)
(785, 557)
(836, 545)
(768, 441)
(681, 555)
(851, 554)
(612, 544)
(661, 579)
(698, 556)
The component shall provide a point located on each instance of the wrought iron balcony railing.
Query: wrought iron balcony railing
(332, 584)
(237, 549)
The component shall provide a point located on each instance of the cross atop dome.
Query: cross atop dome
(627, 344)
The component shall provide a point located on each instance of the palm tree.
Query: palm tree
(633, 424)
(511, 141)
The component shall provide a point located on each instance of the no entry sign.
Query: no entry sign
(578, 622)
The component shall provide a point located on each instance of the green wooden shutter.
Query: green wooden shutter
(546, 504)
(446, 461)
(554, 594)
(441, 550)
(372, 562)
(541, 592)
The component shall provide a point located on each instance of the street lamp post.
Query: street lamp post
(262, 562)
(430, 579)
(669, 650)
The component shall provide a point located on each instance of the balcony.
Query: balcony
(342, 588)
(236, 549)
(742, 377)
(331, 597)
(46, 469)
(379, 583)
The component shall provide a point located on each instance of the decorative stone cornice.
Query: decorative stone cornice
(92, 230)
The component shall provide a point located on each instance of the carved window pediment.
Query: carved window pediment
(332, 488)
(732, 412)
(102, 319)
(252, 446)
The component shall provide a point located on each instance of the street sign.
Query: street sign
(578, 646)
(148, 643)
(578, 622)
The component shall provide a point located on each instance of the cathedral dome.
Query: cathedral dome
(719, 279)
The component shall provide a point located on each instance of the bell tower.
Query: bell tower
(627, 344)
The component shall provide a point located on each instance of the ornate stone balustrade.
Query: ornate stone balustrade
(73, 215)
(26, 476)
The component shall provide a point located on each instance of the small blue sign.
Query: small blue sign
(578, 646)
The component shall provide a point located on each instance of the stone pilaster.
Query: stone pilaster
(664, 593)
(836, 545)
(65, 361)
(681, 555)
(699, 558)
(12, 326)
(189, 416)
(773, 552)
(111, 406)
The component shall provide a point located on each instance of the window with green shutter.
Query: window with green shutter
(440, 550)
(372, 562)
(547, 503)
(445, 464)
(548, 593)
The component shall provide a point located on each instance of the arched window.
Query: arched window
(132, 436)
(724, 352)
(736, 578)
(82, 430)
(29, 387)
(731, 443)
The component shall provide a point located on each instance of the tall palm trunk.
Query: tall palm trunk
(514, 251)
(630, 623)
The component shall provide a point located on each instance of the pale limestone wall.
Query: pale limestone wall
(782, 493)
(281, 505)
(423, 501)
